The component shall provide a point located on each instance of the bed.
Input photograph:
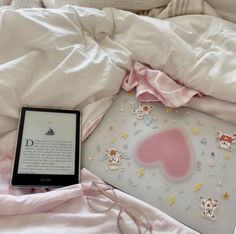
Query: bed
(79, 57)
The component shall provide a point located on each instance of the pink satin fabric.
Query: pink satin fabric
(154, 85)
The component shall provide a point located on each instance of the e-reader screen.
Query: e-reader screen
(48, 147)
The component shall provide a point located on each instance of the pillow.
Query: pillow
(226, 8)
(5, 2)
(17, 4)
(100, 4)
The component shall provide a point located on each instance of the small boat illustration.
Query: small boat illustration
(50, 132)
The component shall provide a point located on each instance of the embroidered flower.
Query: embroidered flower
(142, 111)
(113, 156)
(208, 207)
(112, 152)
(147, 108)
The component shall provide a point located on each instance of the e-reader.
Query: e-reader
(48, 148)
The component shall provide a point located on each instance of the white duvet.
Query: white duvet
(77, 58)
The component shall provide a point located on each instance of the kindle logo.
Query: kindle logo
(45, 179)
(29, 143)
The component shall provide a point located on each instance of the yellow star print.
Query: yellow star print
(113, 140)
(171, 200)
(168, 109)
(195, 131)
(124, 135)
(226, 196)
(140, 172)
(197, 187)
(227, 156)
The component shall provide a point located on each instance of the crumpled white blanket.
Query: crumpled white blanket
(77, 58)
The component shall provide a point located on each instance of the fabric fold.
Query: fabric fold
(212, 106)
(66, 209)
(154, 85)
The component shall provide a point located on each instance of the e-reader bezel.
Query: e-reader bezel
(46, 180)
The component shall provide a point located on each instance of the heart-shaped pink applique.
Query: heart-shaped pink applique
(170, 150)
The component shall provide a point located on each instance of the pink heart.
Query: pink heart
(170, 150)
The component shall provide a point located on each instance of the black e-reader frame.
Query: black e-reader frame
(27, 177)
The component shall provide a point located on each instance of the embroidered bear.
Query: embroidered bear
(225, 140)
(208, 206)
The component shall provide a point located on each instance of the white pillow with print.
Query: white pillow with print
(100, 4)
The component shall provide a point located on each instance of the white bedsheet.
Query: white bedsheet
(77, 57)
